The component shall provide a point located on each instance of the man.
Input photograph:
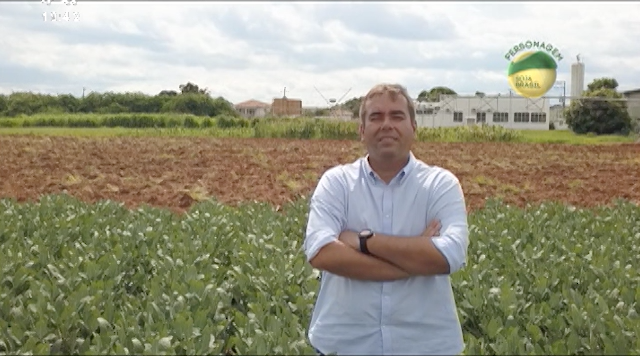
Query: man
(387, 231)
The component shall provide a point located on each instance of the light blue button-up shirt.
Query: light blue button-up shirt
(413, 316)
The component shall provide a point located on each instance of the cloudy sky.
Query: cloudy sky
(247, 50)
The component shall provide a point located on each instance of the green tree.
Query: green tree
(191, 88)
(596, 114)
(603, 83)
(3, 104)
(168, 93)
(433, 95)
(191, 99)
(353, 105)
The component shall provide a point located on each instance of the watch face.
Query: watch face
(366, 233)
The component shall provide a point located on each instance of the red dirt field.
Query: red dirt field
(175, 172)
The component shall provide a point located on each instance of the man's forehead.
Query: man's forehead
(386, 106)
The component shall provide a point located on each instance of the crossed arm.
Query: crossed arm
(440, 249)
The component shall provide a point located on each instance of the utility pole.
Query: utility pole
(564, 92)
(563, 98)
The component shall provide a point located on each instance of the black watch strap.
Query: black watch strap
(365, 235)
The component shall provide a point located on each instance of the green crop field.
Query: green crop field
(82, 278)
(141, 124)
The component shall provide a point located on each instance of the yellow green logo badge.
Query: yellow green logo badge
(532, 73)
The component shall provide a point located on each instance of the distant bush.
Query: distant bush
(595, 113)
(480, 133)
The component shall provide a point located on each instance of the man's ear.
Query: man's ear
(361, 130)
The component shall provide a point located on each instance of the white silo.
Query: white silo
(577, 78)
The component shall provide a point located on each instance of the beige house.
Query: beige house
(285, 107)
(253, 109)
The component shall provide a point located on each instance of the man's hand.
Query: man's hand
(350, 238)
(416, 255)
(433, 229)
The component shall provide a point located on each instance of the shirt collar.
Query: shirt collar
(399, 178)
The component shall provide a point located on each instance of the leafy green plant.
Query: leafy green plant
(80, 278)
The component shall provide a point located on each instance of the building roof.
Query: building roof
(252, 104)
(632, 91)
(286, 99)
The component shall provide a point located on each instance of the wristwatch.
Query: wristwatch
(364, 235)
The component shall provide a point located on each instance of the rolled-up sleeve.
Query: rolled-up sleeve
(449, 207)
(327, 216)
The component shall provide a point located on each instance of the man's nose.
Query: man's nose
(386, 122)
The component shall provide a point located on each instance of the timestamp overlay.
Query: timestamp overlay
(60, 11)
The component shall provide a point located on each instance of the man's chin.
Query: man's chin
(387, 153)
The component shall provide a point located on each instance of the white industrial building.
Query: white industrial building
(510, 111)
(513, 112)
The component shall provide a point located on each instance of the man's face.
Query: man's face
(387, 130)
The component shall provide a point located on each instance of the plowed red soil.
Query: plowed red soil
(176, 172)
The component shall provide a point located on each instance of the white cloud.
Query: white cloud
(253, 50)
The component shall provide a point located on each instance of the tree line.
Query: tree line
(189, 99)
(582, 116)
